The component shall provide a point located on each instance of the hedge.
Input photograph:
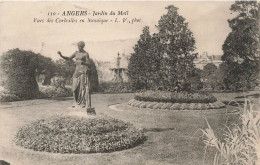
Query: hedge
(18, 69)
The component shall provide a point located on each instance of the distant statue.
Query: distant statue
(81, 77)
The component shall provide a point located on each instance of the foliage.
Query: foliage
(67, 134)
(174, 97)
(46, 67)
(66, 68)
(220, 77)
(154, 72)
(19, 68)
(194, 83)
(241, 47)
(115, 87)
(179, 44)
(164, 61)
(51, 91)
(176, 106)
(213, 77)
(139, 61)
(208, 69)
(7, 97)
(59, 82)
(241, 144)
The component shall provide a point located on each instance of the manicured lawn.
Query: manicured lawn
(253, 96)
(173, 136)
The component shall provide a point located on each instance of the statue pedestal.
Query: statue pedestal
(91, 111)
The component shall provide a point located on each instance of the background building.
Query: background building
(203, 59)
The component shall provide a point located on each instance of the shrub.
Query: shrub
(51, 91)
(240, 145)
(115, 87)
(59, 82)
(19, 68)
(174, 97)
(7, 97)
(67, 134)
(45, 92)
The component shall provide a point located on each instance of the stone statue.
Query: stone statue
(81, 78)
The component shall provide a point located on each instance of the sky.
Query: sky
(207, 21)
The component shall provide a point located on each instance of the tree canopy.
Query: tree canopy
(242, 47)
(164, 60)
(139, 61)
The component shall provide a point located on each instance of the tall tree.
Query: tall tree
(179, 44)
(242, 47)
(138, 64)
(154, 72)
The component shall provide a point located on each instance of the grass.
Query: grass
(238, 97)
(173, 137)
(70, 134)
(240, 144)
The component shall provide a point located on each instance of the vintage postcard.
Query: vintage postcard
(129, 82)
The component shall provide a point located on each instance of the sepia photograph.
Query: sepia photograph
(130, 82)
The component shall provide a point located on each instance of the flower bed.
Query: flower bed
(67, 134)
(174, 97)
(176, 106)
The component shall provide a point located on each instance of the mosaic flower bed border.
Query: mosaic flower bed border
(176, 106)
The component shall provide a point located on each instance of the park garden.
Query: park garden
(169, 111)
